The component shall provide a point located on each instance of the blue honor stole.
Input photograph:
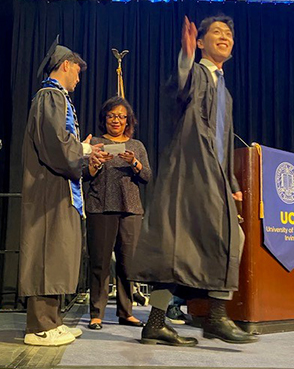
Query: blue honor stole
(72, 126)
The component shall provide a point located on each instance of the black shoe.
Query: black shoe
(165, 336)
(140, 298)
(123, 321)
(176, 316)
(226, 330)
(96, 326)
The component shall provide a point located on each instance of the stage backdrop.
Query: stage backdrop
(260, 75)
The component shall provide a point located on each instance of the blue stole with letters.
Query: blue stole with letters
(71, 126)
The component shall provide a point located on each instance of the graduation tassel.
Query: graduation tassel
(261, 206)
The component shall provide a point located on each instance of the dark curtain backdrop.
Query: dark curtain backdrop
(6, 21)
(260, 75)
(6, 25)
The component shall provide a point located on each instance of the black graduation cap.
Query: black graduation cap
(55, 55)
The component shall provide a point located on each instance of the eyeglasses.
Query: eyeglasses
(111, 116)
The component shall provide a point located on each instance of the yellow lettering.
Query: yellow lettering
(290, 218)
(284, 220)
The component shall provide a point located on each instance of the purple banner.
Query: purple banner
(278, 198)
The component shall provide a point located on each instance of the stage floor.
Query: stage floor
(118, 347)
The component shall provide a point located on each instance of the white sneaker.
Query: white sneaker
(76, 332)
(176, 321)
(53, 337)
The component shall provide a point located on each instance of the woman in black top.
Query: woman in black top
(114, 210)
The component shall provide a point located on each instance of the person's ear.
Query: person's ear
(200, 44)
(65, 65)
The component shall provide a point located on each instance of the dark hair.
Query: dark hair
(73, 58)
(207, 22)
(76, 58)
(108, 106)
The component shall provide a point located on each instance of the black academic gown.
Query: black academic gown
(190, 234)
(50, 247)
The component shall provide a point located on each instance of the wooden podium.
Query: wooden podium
(265, 300)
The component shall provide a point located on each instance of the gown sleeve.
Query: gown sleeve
(58, 149)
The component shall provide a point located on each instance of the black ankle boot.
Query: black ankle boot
(157, 332)
(219, 325)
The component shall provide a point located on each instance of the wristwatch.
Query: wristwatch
(135, 163)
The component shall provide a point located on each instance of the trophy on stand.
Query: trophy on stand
(120, 84)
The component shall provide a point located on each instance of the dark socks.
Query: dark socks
(156, 318)
(217, 309)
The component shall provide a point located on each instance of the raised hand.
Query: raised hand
(189, 35)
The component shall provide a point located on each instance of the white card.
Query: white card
(115, 149)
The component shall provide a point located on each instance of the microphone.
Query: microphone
(243, 142)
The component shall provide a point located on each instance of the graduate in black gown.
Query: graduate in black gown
(52, 200)
(191, 238)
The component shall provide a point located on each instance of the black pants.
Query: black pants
(43, 313)
(105, 233)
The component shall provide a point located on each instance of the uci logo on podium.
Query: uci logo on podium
(284, 180)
